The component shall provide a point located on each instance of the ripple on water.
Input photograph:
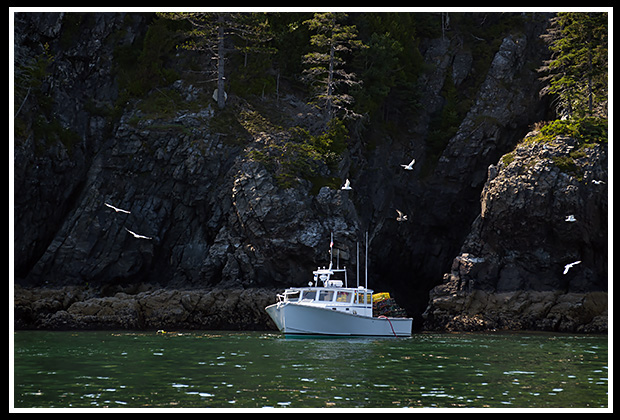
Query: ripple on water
(193, 370)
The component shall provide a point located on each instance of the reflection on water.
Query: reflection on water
(251, 369)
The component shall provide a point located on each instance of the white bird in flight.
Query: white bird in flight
(135, 235)
(569, 266)
(570, 218)
(410, 166)
(598, 182)
(347, 185)
(116, 209)
(401, 216)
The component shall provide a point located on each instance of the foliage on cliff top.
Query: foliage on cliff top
(585, 130)
(302, 155)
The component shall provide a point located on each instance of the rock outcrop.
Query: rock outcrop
(544, 206)
(74, 307)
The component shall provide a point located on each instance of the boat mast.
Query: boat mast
(331, 248)
(366, 263)
(358, 264)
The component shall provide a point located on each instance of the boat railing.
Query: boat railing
(327, 294)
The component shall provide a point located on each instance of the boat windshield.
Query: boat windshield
(309, 295)
(344, 297)
(359, 297)
(292, 296)
(329, 295)
(326, 295)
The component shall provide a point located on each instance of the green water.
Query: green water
(258, 369)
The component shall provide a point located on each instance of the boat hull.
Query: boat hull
(295, 318)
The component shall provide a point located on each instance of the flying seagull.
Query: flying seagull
(135, 235)
(410, 166)
(116, 209)
(598, 181)
(401, 216)
(347, 185)
(569, 266)
(570, 218)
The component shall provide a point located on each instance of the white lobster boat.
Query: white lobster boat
(333, 309)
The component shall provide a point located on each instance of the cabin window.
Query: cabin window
(309, 295)
(359, 297)
(344, 297)
(292, 296)
(326, 295)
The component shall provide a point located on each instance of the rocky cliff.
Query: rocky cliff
(219, 229)
(536, 257)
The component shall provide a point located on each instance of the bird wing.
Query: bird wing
(135, 235)
(569, 266)
(116, 209)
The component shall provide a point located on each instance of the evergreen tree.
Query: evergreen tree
(577, 71)
(389, 67)
(325, 72)
(210, 32)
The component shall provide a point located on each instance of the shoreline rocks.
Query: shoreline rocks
(517, 310)
(78, 308)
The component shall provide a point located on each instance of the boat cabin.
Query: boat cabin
(328, 306)
(333, 294)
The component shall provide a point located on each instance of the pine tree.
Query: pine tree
(325, 72)
(577, 71)
(210, 32)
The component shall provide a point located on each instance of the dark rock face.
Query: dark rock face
(212, 217)
(441, 207)
(49, 176)
(511, 269)
(217, 220)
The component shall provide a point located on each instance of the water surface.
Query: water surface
(261, 369)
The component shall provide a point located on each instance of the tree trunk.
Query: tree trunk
(221, 99)
(590, 105)
(330, 78)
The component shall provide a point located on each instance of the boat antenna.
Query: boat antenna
(331, 248)
(358, 264)
(366, 263)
